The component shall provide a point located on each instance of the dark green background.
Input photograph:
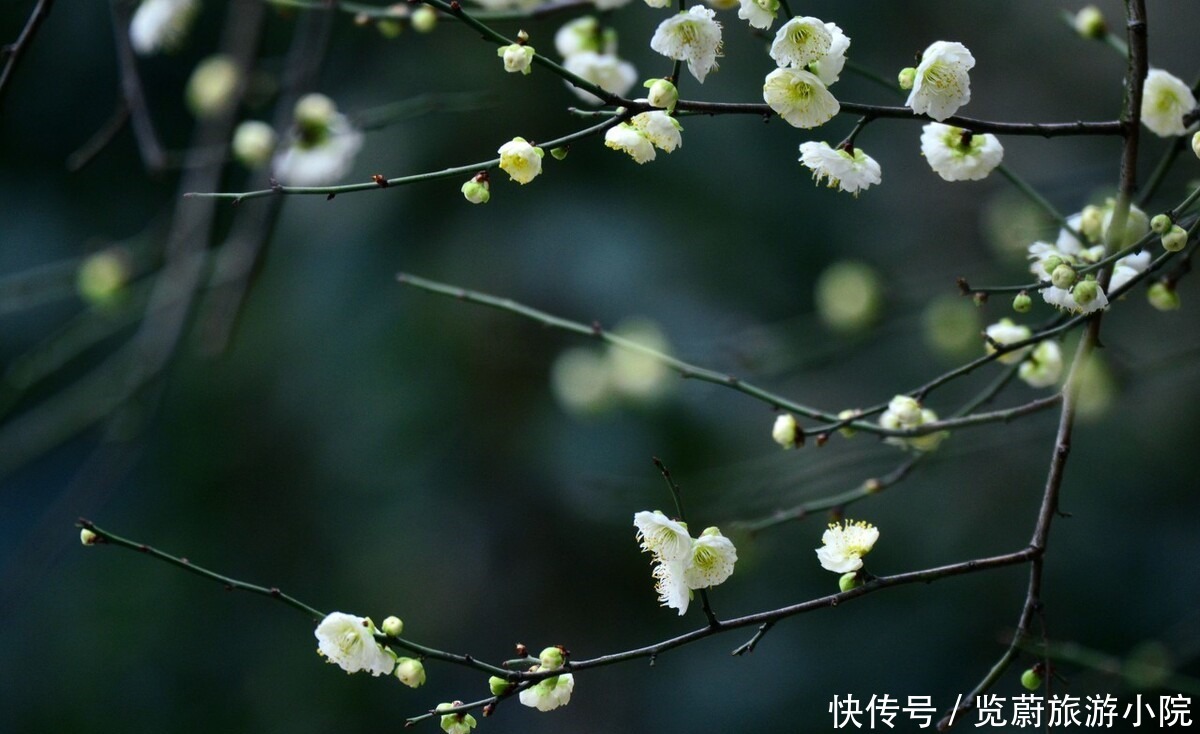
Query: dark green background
(380, 451)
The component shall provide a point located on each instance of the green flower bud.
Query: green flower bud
(1050, 263)
(662, 94)
(393, 627)
(1090, 23)
(1091, 222)
(848, 581)
(424, 19)
(87, 537)
(102, 276)
(1160, 223)
(847, 431)
(498, 685)
(1162, 297)
(1031, 679)
(1063, 276)
(559, 153)
(1022, 302)
(1085, 292)
(211, 88)
(552, 658)
(314, 113)
(477, 190)
(1175, 239)
(785, 431)
(389, 28)
(410, 671)
(907, 77)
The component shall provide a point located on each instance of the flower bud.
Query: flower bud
(1022, 302)
(211, 87)
(1031, 679)
(253, 143)
(559, 153)
(393, 627)
(1050, 263)
(102, 276)
(907, 77)
(1085, 292)
(1175, 239)
(784, 431)
(662, 95)
(498, 685)
(1162, 297)
(1160, 224)
(552, 658)
(87, 537)
(1063, 276)
(424, 19)
(1091, 222)
(1196, 143)
(410, 671)
(476, 191)
(848, 581)
(847, 431)
(517, 57)
(1090, 23)
(314, 111)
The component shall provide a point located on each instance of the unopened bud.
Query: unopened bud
(559, 153)
(848, 581)
(1162, 297)
(498, 685)
(393, 627)
(1086, 292)
(1050, 263)
(1022, 302)
(1063, 276)
(477, 190)
(662, 95)
(424, 19)
(410, 671)
(1196, 143)
(1090, 23)
(1160, 224)
(907, 77)
(552, 658)
(87, 537)
(1175, 239)
(785, 431)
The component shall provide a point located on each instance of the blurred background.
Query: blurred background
(311, 424)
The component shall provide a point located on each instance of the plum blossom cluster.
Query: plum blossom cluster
(1057, 265)
(548, 693)
(349, 642)
(906, 413)
(683, 564)
(810, 55)
(643, 133)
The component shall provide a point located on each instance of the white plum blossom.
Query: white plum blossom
(322, 148)
(349, 641)
(843, 546)
(607, 71)
(161, 25)
(578, 35)
(941, 84)
(520, 160)
(1165, 102)
(759, 13)
(627, 138)
(956, 154)
(253, 143)
(669, 583)
(693, 37)
(517, 58)
(829, 67)
(799, 97)
(659, 128)
(1044, 366)
(1005, 332)
(1065, 298)
(906, 413)
(801, 41)
(785, 430)
(1127, 268)
(712, 559)
(550, 693)
(850, 172)
(667, 539)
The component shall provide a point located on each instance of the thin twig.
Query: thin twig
(16, 50)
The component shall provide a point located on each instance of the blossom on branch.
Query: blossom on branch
(520, 160)
(549, 694)
(693, 37)
(906, 413)
(161, 25)
(681, 563)
(956, 154)
(1005, 332)
(607, 71)
(759, 13)
(1165, 102)
(711, 562)
(667, 539)
(517, 58)
(843, 546)
(349, 641)
(322, 147)
(659, 128)
(800, 42)
(850, 172)
(1044, 366)
(627, 138)
(799, 97)
(941, 84)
